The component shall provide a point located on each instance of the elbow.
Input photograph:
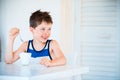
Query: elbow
(8, 61)
(64, 61)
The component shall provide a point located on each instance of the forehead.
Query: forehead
(44, 25)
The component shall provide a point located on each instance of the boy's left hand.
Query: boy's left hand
(45, 62)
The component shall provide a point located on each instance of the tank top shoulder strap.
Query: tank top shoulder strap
(29, 44)
(48, 45)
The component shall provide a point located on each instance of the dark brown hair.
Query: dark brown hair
(38, 17)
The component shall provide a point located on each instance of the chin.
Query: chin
(44, 41)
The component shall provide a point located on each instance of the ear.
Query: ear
(31, 29)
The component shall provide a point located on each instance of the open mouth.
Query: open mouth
(45, 38)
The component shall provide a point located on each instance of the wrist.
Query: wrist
(52, 63)
(11, 38)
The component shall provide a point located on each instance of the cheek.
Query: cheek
(48, 34)
(36, 34)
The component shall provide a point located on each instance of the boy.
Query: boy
(40, 46)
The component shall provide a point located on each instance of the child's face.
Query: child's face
(42, 32)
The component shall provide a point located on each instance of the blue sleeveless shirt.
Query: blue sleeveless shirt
(42, 53)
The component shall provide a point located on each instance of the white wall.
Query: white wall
(15, 13)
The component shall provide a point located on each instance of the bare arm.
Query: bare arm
(59, 58)
(9, 51)
(11, 56)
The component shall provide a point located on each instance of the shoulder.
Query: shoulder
(54, 43)
(24, 45)
(26, 42)
(22, 48)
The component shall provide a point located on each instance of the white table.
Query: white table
(38, 72)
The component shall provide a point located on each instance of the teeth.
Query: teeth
(44, 37)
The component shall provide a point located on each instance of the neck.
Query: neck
(38, 42)
(38, 45)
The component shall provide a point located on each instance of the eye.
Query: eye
(42, 29)
(49, 29)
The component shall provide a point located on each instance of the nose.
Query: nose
(47, 32)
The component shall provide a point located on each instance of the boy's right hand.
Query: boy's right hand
(14, 32)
